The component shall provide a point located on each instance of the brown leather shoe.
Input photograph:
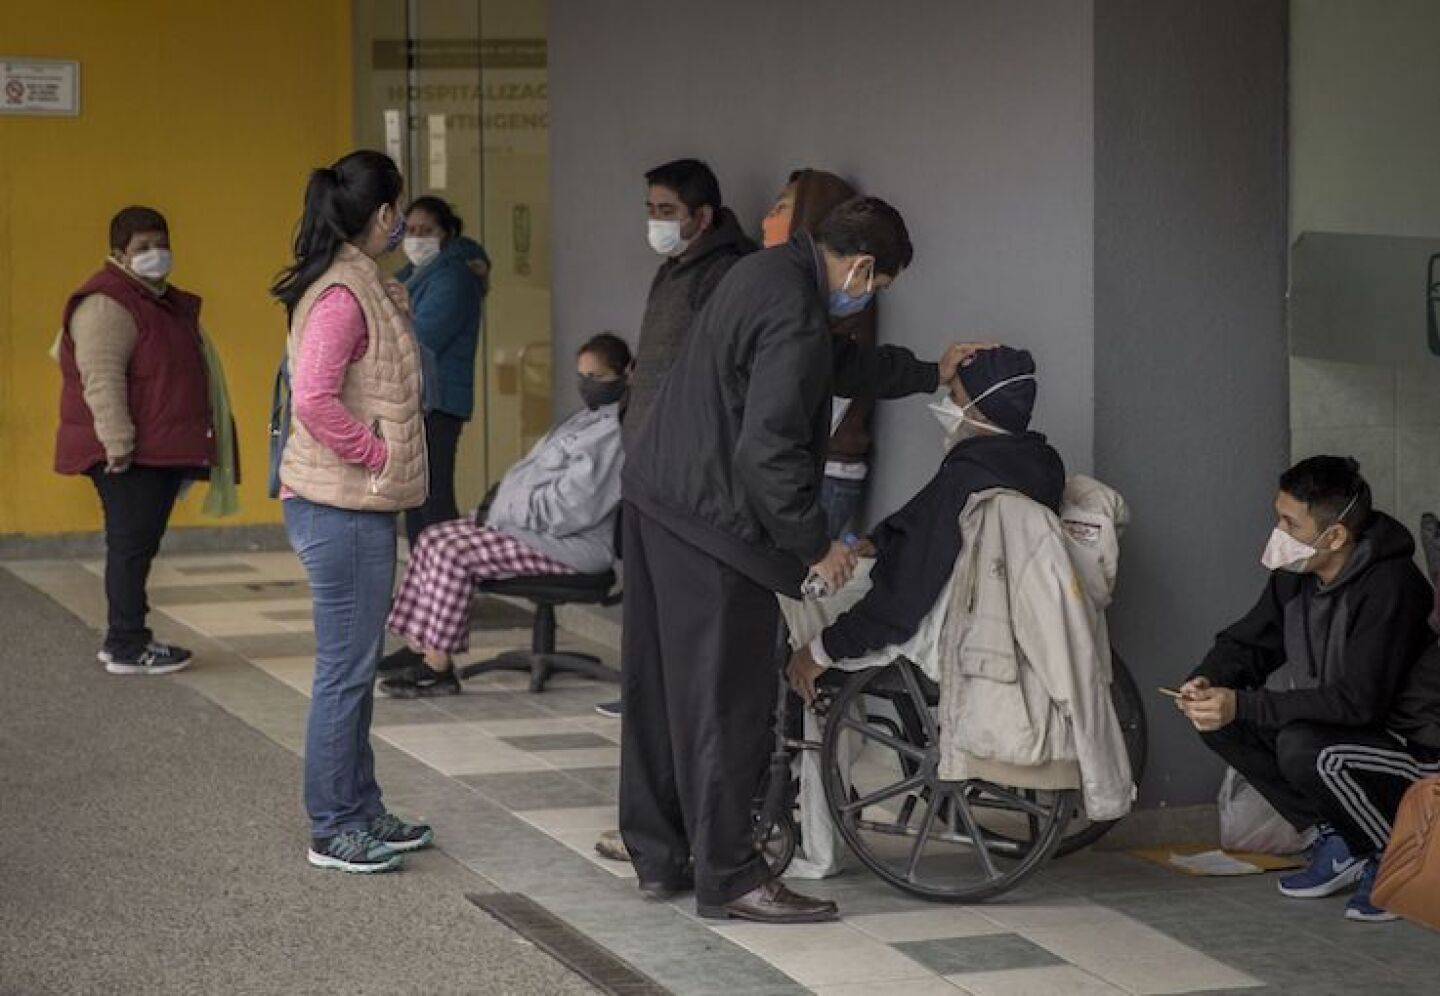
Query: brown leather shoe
(773, 903)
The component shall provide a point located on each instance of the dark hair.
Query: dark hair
(692, 181)
(868, 225)
(340, 200)
(441, 211)
(1328, 485)
(131, 221)
(610, 348)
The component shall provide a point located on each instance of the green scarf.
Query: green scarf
(222, 497)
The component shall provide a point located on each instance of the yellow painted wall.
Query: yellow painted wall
(212, 112)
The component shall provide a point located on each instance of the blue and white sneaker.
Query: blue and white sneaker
(398, 835)
(1332, 869)
(1359, 907)
(354, 851)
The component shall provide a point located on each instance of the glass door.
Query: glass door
(456, 91)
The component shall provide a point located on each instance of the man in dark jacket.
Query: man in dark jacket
(1332, 743)
(721, 491)
(700, 240)
(985, 420)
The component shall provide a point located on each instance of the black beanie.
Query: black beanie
(1009, 407)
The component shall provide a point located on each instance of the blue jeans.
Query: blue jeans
(840, 500)
(349, 558)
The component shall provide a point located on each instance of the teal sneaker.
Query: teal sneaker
(400, 836)
(354, 851)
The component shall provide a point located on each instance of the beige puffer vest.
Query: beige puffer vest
(382, 390)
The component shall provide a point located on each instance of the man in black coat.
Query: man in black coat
(1353, 718)
(721, 508)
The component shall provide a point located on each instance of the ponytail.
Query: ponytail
(340, 200)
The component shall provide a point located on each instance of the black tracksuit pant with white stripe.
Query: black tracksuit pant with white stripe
(1350, 777)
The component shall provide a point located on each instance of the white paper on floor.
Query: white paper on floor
(1214, 863)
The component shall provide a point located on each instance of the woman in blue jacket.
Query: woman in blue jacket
(447, 279)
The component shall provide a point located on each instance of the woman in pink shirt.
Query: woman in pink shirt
(354, 458)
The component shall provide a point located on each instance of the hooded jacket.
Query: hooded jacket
(445, 309)
(816, 194)
(916, 547)
(561, 498)
(1346, 648)
(731, 459)
(1025, 661)
(680, 289)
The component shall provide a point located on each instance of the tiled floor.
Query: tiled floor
(519, 786)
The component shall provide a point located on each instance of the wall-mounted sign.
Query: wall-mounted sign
(40, 87)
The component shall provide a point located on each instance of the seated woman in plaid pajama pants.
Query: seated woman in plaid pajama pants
(554, 513)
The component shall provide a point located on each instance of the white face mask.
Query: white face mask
(421, 249)
(152, 264)
(665, 237)
(958, 425)
(1286, 553)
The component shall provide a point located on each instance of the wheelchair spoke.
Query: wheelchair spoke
(923, 837)
(880, 795)
(973, 830)
(912, 685)
(894, 743)
(1015, 801)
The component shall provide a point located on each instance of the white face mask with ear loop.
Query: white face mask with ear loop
(958, 425)
(152, 264)
(1286, 553)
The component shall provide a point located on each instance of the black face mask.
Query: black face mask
(599, 393)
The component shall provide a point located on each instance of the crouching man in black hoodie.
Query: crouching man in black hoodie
(987, 446)
(1334, 742)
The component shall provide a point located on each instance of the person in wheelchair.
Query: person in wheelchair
(912, 554)
(553, 513)
(1354, 717)
(998, 564)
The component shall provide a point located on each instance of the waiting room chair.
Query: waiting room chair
(546, 592)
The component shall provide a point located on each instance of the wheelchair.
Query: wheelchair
(944, 841)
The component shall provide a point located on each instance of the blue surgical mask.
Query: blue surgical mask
(843, 304)
(397, 233)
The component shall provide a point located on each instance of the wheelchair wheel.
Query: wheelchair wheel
(1130, 710)
(776, 839)
(948, 841)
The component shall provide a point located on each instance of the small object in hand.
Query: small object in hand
(815, 586)
(1171, 692)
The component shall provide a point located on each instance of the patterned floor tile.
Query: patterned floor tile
(585, 757)
(563, 741)
(924, 925)
(826, 954)
(1056, 980)
(995, 953)
(1137, 958)
(903, 987)
(520, 791)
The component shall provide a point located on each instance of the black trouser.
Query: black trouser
(699, 687)
(1349, 777)
(442, 441)
(137, 508)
